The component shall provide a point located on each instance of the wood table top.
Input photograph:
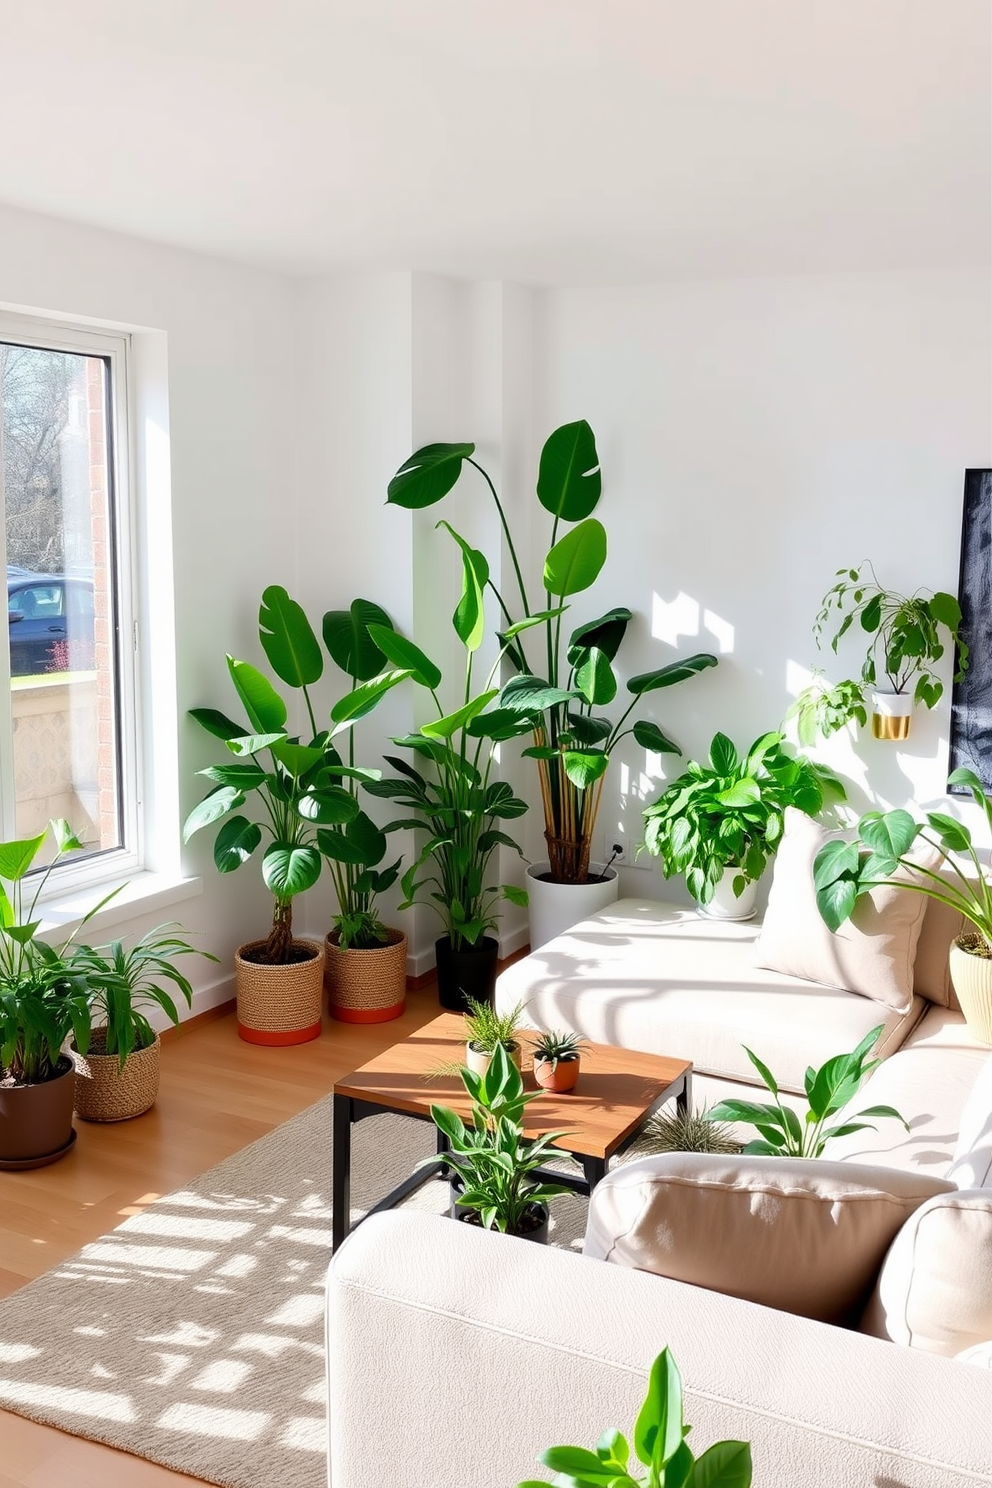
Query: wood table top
(615, 1090)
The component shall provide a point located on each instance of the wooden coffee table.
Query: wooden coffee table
(618, 1089)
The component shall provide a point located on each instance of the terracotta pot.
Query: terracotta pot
(36, 1120)
(479, 1062)
(280, 1005)
(367, 986)
(105, 1092)
(559, 1077)
(971, 976)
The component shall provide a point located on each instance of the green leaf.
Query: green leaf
(606, 634)
(363, 699)
(726, 1464)
(499, 724)
(954, 836)
(265, 708)
(330, 806)
(406, 656)
(289, 869)
(349, 640)
(742, 793)
(217, 723)
(890, 834)
(443, 728)
(668, 676)
(576, 560)
(288, 640)
(763, 1070)
(244, 777)
(469, 618)
(209, 810)
(428, 475)
(296, 759)
(834, 860)
(527, 694)
(650, 736)
(514, 894)
(235, 843)
(836, 902)
(584, 767)
(723, 755)
(871, 615)
(945, 610)
(569, 482)
(659, 1430)
(16, 857)
(595, 678)
(251, 744)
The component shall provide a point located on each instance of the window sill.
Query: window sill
(141, 894)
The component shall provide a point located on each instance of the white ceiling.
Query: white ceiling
(550, 141)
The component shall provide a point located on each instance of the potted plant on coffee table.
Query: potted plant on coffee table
(562, 695)
(907, 639)
(496, 1168)
(718, 823)
(295, 788)
(844, 872)
(458, 804)
(557, 1059)
(44, 998)
(486, 1030)
(117, 1076)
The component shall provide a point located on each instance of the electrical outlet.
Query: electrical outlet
(617, 848)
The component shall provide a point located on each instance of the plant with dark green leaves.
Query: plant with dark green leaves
(497, 1165)
(907, 639)
(560, 695)
(125, 979)
(828, 1090)
(729, 813)
(457, 803)
(44, 995)
(843, 872)
(659, 1443)
(301, 806)
(557, 1044)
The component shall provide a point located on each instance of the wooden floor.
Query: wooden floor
(218, 1094)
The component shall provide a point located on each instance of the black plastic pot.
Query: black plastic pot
(539, 1234)
(36, 1120)
(467, 973)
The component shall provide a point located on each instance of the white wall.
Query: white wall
(755, 436)
(229, 337)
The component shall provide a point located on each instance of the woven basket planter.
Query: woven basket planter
(366, 986)
(279, 1004)
(972, 979)
(105, 1092)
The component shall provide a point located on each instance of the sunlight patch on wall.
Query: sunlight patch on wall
(796, 678)
(673, 619)
(721, 630)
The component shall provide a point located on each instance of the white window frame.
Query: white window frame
(115, 864)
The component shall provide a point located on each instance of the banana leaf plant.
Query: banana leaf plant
(453, 795)
(563, 679)
(295, 787)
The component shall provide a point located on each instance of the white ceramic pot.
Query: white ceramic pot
(892, 714)
(555, 907)
(972, 979)
(725, 905)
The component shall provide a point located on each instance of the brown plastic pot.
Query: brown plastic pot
(557, 1077)
(36, 1120)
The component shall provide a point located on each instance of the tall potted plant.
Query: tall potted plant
(718, 823)
(456, 802)
(843, 872)
(44, 998)
(906, 640)
(561, 695)
(295, 788)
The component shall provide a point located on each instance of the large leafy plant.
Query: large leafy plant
(458, 805)
(729, 813)
(659, 1443)
(843, 872)
(828, 1090)
(560, 690)
(295, 787)
(906, 638)
(497, 1165)
(44, 994)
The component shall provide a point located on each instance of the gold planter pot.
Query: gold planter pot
(105, 1092)
(972, 979)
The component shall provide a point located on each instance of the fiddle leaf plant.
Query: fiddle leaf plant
(659, 1443)
(564, 679)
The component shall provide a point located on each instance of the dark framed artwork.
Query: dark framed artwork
(971, 705)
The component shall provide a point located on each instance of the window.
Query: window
(67, 740)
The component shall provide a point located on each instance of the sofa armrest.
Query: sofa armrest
(455, 1355)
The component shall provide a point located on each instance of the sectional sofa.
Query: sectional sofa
(455, 1355)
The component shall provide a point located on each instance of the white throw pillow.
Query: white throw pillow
(871, 954)
(803, 1235)
(934, 1291)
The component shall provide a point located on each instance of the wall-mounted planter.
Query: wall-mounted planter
(892, 714)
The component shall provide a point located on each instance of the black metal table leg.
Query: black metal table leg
(683, 1100)
(341, 1171)
(594, 1169)
(443, 1146)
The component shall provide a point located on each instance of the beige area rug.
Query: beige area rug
(193, 1333)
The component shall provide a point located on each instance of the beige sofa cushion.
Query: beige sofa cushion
(972, 1166)
(980, 1354)
(934, 1290)
(805, 1236)
(873, 954)
(658, 977)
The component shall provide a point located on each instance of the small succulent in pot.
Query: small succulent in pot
(557, 1057)
(486, 1030)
